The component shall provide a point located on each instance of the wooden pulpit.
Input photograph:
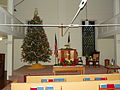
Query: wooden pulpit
(67, 53)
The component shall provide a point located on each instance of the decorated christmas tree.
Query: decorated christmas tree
(35, 46)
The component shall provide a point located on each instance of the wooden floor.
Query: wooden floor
(21, 72)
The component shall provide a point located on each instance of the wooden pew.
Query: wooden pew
(90, 85)
(72, 78)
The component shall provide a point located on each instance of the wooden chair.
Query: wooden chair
(96, 56)
(107, 62)
(95, 59)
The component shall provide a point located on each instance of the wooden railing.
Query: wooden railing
(109, 31)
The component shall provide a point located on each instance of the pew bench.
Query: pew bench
(72, 78)
(91, 85)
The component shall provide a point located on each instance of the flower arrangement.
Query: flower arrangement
(68, 62)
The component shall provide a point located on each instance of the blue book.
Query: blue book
(86, 79)
(117, 85)
(44, 80)
(103, 86)
(97, 78)
(56, 79)
(40, 88)
(62, 79)
(59, 79)
(49, 88)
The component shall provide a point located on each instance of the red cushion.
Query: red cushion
(110, 85)
(50, 80)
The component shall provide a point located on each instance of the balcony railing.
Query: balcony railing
(109, 31)
(7, 18)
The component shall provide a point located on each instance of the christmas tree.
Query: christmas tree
(35, 46)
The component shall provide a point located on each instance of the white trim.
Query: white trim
(70, 25)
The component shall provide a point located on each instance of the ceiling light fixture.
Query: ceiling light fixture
(86, 21)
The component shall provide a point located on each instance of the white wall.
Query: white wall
(106, 48)
(17, 53)
(62, 11)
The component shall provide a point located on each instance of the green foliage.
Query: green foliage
(68, 61)
(35, 46)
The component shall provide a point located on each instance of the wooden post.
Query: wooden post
(62, 29)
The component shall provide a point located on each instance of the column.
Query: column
(9, 56)
(10, 43)
(117, 48)
(116, 7)
(117, 36)
(10, 6)
(116, 10)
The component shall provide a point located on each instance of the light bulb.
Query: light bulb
(0, 38)
(86, 22)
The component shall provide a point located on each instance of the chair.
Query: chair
(80, 61)
(106, 62)
(96, 56)
(95, 59)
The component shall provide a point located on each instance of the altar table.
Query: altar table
(69, 68)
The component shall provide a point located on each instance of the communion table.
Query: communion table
(80, 68)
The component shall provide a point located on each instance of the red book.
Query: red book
(103, 78)
(50, 80)
(110, 85)
(33, 88)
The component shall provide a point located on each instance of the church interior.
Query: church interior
(59, 44)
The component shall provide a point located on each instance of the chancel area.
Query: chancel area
(59, 44)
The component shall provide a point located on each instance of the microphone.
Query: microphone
(81, 6)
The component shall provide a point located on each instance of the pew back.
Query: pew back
(72, 78)
(91, 85)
